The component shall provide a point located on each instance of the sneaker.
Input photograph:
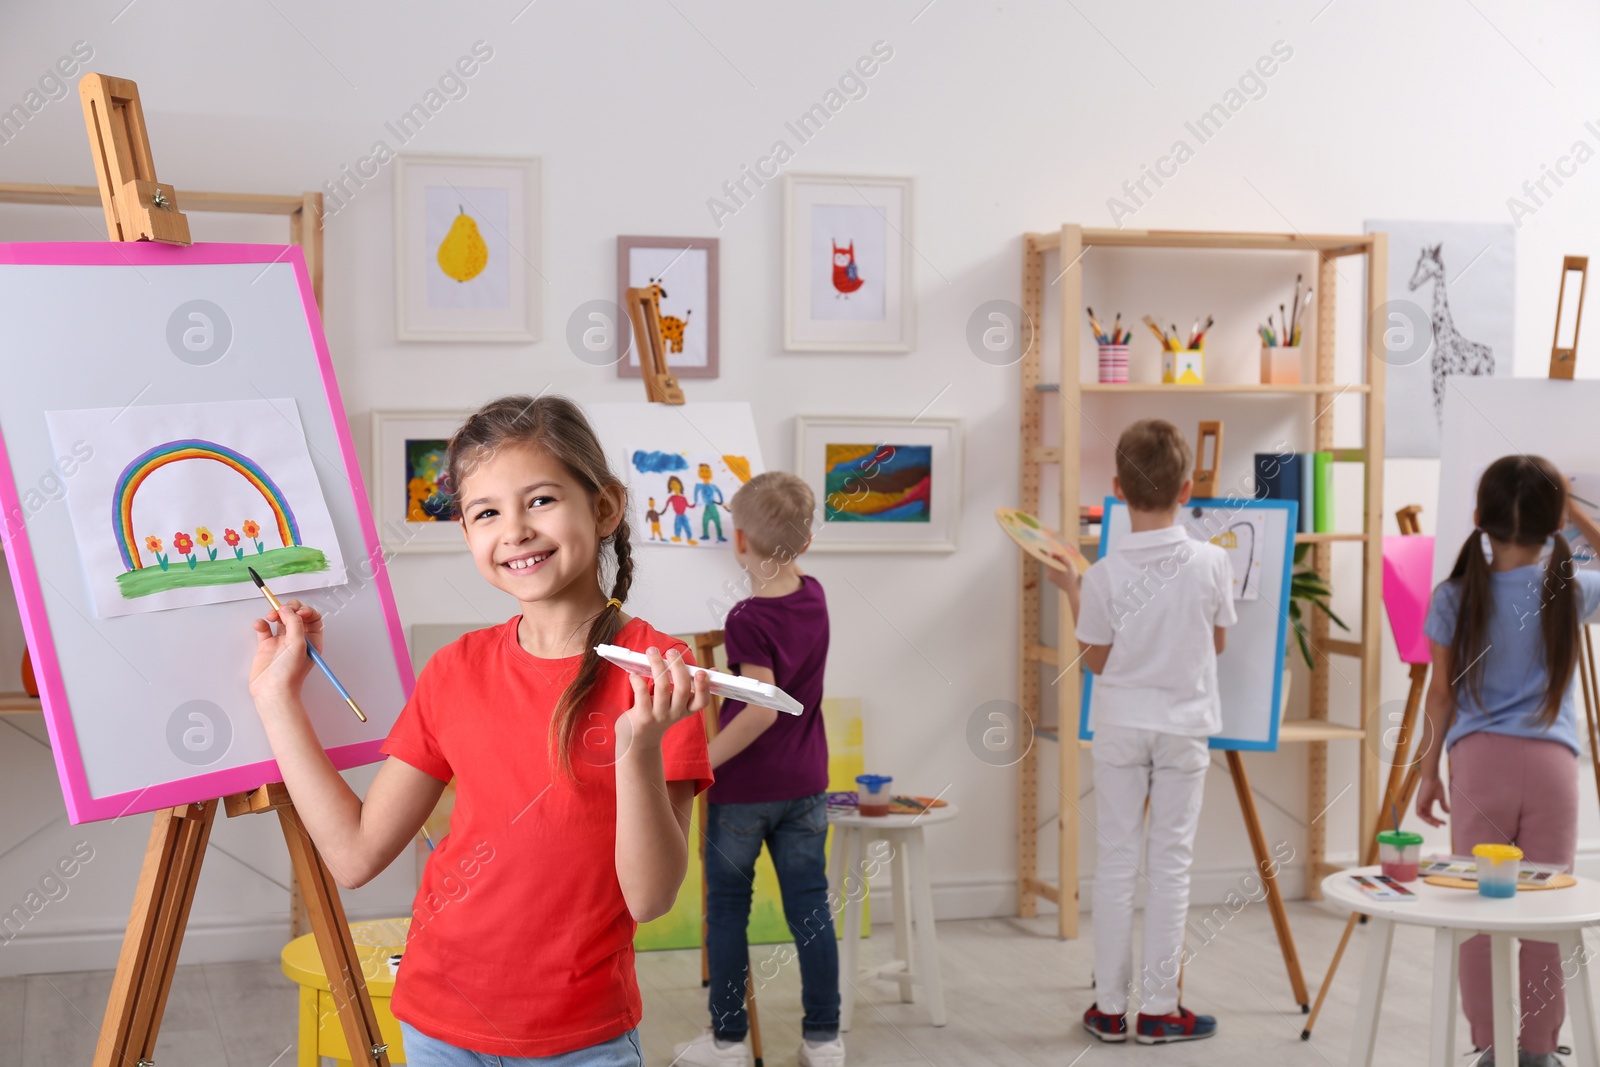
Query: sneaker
(707, 1051)
(1105, 1027)
(827, 1054)
(1181, 1025)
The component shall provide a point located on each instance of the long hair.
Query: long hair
(1522, 500)
(556, 426)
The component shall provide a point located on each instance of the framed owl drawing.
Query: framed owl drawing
(466, 237)
(847, 256)
(683, 274)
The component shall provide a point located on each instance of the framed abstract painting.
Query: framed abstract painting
(685, 271)
(467, 239)
(847, 251)
(414, 514)
(881, 484)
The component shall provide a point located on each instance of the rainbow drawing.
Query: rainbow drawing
(134, 474)
(877, 483)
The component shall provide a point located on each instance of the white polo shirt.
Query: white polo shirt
(1154, 599)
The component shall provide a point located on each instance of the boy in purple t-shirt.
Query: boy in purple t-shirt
(771, 780)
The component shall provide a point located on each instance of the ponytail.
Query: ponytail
(1558, 624)
(1470, 577)
(605, 626)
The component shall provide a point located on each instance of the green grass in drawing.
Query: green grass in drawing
(273, 563)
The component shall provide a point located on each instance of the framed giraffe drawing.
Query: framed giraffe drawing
(1450, 312)
(684, 272)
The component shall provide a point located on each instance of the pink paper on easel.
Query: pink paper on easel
(1407, 578)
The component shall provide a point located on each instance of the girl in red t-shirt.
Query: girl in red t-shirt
(574, 780)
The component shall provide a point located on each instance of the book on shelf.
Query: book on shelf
(1306, 477)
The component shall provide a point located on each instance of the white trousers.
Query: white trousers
(1131, 765)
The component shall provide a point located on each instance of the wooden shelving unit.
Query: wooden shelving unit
(1071, 241)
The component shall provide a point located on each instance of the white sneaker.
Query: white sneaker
(704, 1051)
(828, 1054)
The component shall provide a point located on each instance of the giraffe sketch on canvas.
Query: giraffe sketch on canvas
(1452, 353)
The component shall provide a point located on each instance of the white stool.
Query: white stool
(848, 870)
(1557, 915)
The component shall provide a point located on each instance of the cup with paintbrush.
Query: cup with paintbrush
(1280, 339)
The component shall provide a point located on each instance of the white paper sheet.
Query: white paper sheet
(238, 471)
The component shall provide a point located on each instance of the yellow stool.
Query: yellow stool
(320, 1032)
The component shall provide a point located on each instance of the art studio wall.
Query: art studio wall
(1006, 119)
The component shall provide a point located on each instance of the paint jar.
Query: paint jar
(1114, 364)
(1497, 869)
(1400, 852)
(1280, 365)
(872, 791)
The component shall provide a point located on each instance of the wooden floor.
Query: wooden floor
(1014, 994)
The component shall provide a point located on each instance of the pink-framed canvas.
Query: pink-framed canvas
(143, 675)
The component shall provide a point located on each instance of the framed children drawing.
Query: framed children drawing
(847, 264)
(467, 248)
(881, 484)
(683, 270)
(408, 454)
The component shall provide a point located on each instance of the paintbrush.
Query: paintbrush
(315, 655)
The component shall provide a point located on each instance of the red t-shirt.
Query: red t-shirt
(521, 943)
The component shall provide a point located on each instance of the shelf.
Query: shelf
(1294, 731)
(1331, 244)
(1093, 540)
(18, 704)
(1223, 388)
(1290, 732)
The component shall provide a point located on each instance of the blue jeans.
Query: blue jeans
(425, 1051)
(795, 833)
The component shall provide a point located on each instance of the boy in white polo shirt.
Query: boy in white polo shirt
(1150, 619)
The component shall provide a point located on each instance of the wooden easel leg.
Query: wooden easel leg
(339, 960)
(155, 933)
(753, 1015)
(1402, 785)
(1269, 880)
(1591, 699)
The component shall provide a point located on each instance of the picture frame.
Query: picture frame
(688, 271)
(855, 297)
(473, 275)
(404, 444)
(870, 475)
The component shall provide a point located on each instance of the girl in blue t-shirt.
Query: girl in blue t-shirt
(1504, 628)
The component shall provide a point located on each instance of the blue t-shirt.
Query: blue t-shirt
(1514, 678)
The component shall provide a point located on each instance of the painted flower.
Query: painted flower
(250, 528)
(202, 535)
(182, 542)
(232, 537)
(153, 543)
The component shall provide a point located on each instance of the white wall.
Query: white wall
(1010, 118)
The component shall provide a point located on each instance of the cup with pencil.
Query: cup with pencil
(1113, 349)
(1280, 340)
(1183, 362)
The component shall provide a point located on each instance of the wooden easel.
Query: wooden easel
(644, 311)
(661, 387)
(1564, 360)
(1205, 474)
(138, 208)
(1401, 787)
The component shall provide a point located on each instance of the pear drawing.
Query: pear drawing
(462, 253)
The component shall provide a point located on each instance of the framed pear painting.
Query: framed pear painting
(467, 240)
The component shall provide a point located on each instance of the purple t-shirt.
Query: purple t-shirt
(788, 635)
